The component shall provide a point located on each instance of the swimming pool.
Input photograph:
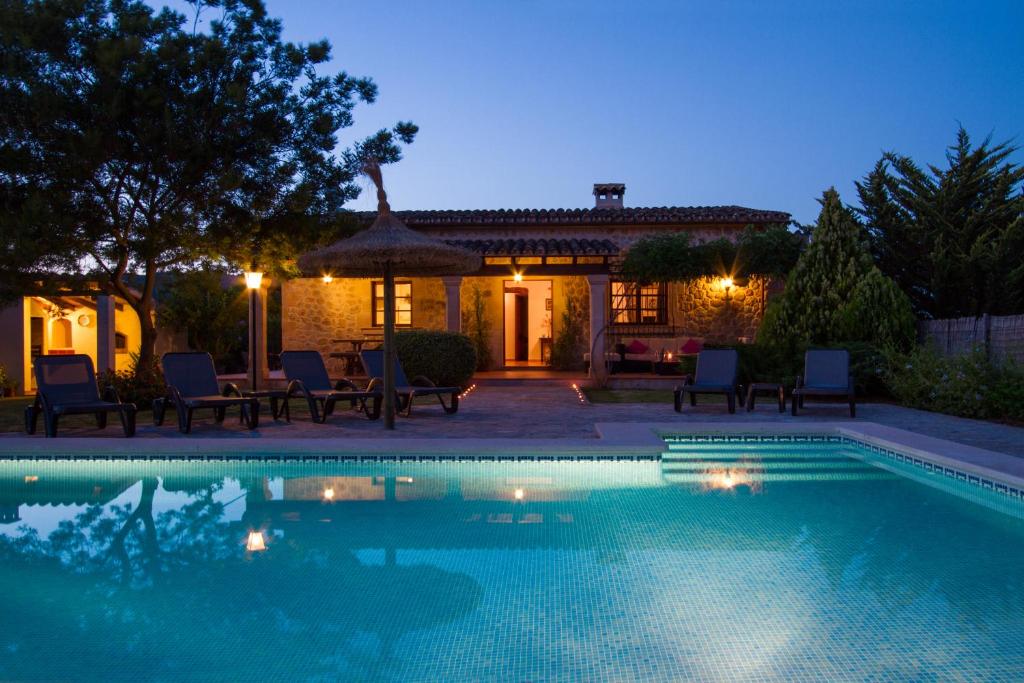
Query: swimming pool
(779, 559)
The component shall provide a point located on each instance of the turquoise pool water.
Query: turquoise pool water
(724, 561)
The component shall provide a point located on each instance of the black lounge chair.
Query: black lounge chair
(826, 375)
(192, 384)
(716, 374)
(307, 377)
(405, 390)
(66, 385)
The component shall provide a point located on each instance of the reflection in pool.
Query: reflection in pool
(798, 562)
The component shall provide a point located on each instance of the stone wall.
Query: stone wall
(703, 308)
(313, 313)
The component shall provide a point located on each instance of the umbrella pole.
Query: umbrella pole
(389, 346)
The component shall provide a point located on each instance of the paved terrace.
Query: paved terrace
(552, 410)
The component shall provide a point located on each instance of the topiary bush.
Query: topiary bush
(446, 358)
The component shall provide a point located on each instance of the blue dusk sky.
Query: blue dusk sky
(527, 103)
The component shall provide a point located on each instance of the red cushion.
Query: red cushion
(637, 346)
(691, 346)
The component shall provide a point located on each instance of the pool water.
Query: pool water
(724, 561)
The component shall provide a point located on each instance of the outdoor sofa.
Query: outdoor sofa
(826, 375)
(192, 385)
(405, 390)
(307, 377)
(717, 372)
(66, 385)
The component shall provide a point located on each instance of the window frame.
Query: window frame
(635, 300)
(378, 320)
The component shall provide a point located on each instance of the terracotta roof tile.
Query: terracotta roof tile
(663, 215)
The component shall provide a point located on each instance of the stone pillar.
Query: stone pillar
(105, 347)
(453, 303)
(598, 285)
(14, 355)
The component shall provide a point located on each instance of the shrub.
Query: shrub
(446, 358)
(478, 327)
(570, 344)
(6, 383)
(967, 385)
(137, 384)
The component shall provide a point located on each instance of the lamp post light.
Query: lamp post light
(253, 282)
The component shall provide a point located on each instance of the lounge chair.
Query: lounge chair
(307, 377)
(405, 390)
(827, 375)
(66, 385)
(716, 374)
(192, 384)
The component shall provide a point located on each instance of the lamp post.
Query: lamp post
(253, 282)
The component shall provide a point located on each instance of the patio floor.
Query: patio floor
(552, 410)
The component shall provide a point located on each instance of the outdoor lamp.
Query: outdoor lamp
(518, 277)
(328, 279)
(253, 279)
(726, 283)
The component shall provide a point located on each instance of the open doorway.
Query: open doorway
(527, 318)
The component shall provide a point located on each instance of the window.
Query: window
(634, 304)
(403, 304)
(120, 342)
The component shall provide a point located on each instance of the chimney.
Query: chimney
(608, 195)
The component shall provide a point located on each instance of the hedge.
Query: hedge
(446, 358)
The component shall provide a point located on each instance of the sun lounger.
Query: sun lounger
(192, 384)
(716, 374)
(307, 377)
(66, 385)
(405, 390)
(826, 375)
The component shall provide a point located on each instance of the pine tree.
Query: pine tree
(835, 293)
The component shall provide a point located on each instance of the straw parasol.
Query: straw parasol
(386, 249)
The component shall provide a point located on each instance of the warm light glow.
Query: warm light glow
(726, 282)
(327, 279)
(518, 277)
(255, 542)
(726, 480)
(519, 494)
(668, 356)
(328, 494)
(253, 279)
(29, 478)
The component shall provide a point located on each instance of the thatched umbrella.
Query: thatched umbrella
(386, 249)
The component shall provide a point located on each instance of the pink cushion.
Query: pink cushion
(691, 346)
(637, 346)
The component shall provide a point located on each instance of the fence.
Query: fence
(1000, 337)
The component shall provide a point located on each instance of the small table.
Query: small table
(278, 401)
(352, 359)
(766, 387)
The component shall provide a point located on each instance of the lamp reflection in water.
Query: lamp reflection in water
(519, 494)
(729, 480)
(329, 493)
(255, 542)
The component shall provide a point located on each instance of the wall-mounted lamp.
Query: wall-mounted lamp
(253, 279)
(726, 284)
(518, 277)
(327, 279)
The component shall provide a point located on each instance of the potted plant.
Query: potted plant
(7, 385)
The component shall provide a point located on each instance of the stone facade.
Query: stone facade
(703, 308)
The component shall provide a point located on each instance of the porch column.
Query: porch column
(598, 284)
(105, 312)
(453, 303)
(14, 353)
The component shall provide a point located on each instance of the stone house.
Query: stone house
(537, 265)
